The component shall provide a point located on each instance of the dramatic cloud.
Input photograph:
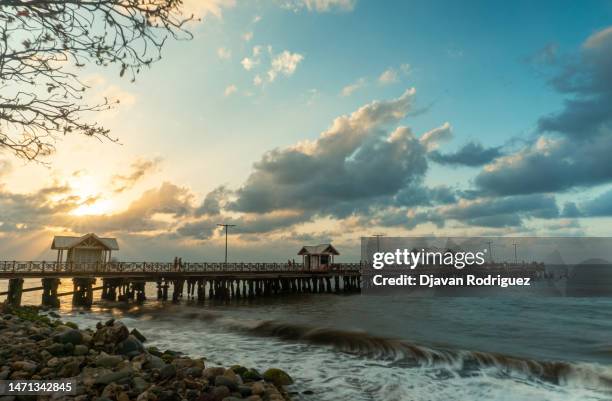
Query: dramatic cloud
(138, 170)
(144, 214)
(600, 206)
(35, 210)
(214, 201)
(471, 154)
(590, 80)
(502, 211)
(573, 149)
(354, 165)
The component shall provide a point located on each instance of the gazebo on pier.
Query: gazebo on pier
(88, 248)
(318, 256)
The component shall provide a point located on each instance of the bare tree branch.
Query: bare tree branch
(44, 43)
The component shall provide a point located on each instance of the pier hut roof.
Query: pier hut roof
(321, 249)
(68, 242)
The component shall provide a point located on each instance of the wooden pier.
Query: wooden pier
(126, 281)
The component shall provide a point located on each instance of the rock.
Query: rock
(232, 399)
(123, 396)
(140, 384)
(258, 388)
(155, 362)
(233, 376)
(211, 373)
(80, 350)
(167, 372)
(251, 375)
(245, 391)
(238, 369)
(194, 372)
(26, 366)
(68, 348)
(113, 332)
(54, 315)
(138, 335)
(108, 361)
(70, 336)
(113, 376)
(220, 392)
(53, 362)
(55, 349)
(253, 398)
(169, 395)
(154, 351)
(227, 382)
(278, 377)
(70, 369)
(130, 346)
(20, 375)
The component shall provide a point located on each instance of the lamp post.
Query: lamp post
(226, 227)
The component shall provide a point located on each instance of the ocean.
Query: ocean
(356, 347)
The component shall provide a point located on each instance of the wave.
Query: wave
(582, 375)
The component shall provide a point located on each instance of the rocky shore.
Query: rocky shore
(112, 363)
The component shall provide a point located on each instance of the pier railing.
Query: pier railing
(161, 267)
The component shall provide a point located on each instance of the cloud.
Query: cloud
(284, 63)
(388, 76)
(202, 8)
(247, 36)
(34, 210)
(321, 6)
(350, 89)
(573, 146)
(5, 167)
(600, 206)
(213, 203)
(471, 154)
(549, 165)
(223, 53)
(547, 55)
(138, 170)
(356, 164)
(141, 215)
(589, 80)
(248, 63)
(501, 211)
(230, 89)
(433, 138)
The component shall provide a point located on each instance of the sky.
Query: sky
(312, 121)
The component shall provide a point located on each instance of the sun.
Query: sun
(86, 188)
(99, 207)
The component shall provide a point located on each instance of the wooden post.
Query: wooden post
(15, 291)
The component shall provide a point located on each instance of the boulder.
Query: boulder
(130, 346)
(278, 377)
(138, 335)
(70, 336)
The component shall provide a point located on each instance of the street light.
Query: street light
(226, 226)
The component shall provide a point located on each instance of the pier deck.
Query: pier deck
(125, 281)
